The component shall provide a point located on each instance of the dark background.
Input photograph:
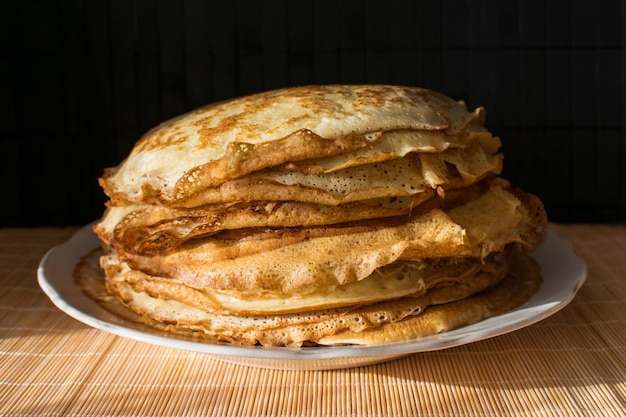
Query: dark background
(82, 80)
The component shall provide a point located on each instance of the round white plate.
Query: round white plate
(563, 270)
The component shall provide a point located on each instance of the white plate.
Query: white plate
(563, 270)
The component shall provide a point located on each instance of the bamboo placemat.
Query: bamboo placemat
(571, 364)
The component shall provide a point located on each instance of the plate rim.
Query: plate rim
(69, 298)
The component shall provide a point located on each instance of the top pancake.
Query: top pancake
(224, 141)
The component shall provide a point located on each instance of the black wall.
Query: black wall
(81, 80)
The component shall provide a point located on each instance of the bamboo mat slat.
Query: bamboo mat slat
(571, 364)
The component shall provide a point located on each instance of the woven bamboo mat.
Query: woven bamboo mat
(571, 364)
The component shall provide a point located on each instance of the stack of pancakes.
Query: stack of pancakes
(319, 215)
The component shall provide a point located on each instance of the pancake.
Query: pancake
(295, 198)
(305, 259)
(402, 279)
(296, 329)
(220, 142)
(316, 215)
(152, 229)
(518, 286)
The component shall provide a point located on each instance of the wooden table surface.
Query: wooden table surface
(570, 364)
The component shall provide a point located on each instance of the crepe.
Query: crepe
(291, 197)
(449, 301)
(220, 142)
(316, 215)
(306, 259)
(517, 287)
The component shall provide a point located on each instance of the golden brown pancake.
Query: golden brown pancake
(220, 142)
(316, 215)
(484, 289)
(301, 260)
(517, 287)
